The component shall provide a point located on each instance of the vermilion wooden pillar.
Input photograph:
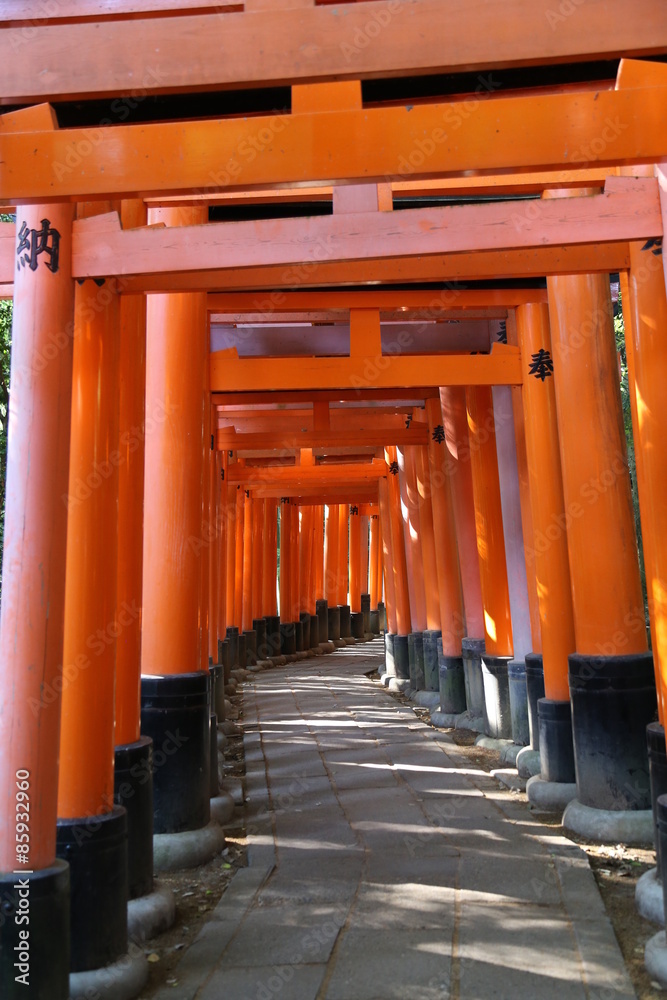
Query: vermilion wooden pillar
(176, 354)
(609, 623)
(444, 532)
(427, 538)
(230, 559)
(222, 532)
(373, 561)
(355, 560)
(285, 560)
(305, 558)
(343, 555)
(318, 555)
(205, 529)
(400, 572)
(98, 862)
(132, 407)
(270, 559)
(257, 556)
(175, 677)
(295, 531)
(246, 615)
(489, 522)
(411, 535)
(331, 556)
(33, 590)
(645, 314)
(458, 470)
(238, 558)
(214, 546)
(549, 542)
(86, 783)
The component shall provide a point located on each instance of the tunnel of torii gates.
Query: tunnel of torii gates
(232, 441)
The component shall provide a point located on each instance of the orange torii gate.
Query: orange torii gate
(190, 262)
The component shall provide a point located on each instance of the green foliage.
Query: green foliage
(619, 331)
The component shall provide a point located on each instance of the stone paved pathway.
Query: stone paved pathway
(382, 865)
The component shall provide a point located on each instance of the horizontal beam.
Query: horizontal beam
(368, 497)
(628, 209)
(275, 285)
(307, 475)
(330, 302)
(416, 396)
(537, 262)
(399, 436)
(279, 46)
(545, 131)
(501, 367)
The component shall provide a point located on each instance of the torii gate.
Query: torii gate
(562, 142)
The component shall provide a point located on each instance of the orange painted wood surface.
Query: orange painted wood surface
(548, 131)
(272, 46)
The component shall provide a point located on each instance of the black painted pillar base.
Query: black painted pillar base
(375, 622)
(657, 765)
(95, 847)
(175, 713)
(259, 628)
(534, 691)
(213, 782)
(233, 636)
(357, 625)
(250, 637)
(305, 624)
(556, 749)
(613, 700)
(314, 632)
(452, 684)
(416, 660)
(366, 611)
(431, 666)
(382, 613)
(273, 640)
(497, 711)
(243, 650)
(322, 612)
(224, 660)
(401, 657)
(345, 621)
(133, 789)
(287, 639)
(217, 675)
(471, 652)
(334, 623)
(389, 663)
(299, 637)
(516, 676)
(45, 895)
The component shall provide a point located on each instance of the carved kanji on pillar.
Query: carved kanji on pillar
(541, 365)
(33, 242)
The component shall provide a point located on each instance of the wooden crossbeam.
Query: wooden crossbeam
(307, 475)
(501, 367)
(416, 395)
(545, 131)
(427, 304)
(416, 434)
(628, 209)
(277, 46)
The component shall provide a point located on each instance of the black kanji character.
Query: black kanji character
(354, 510)
(33, 242)
(393, 468)
(655, 246)
(439, 434)
(542, 366)
(502, 333)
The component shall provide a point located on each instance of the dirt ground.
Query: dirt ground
(616, 868)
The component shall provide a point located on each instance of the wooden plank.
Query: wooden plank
(423, 303)
(38, 13)
(276, 46)
(416, 396)
(304, 475)
(544, 132)
(269, 281)
(399, 436)
(501, 367)
(628, 209)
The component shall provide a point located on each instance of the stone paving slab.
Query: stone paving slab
(383, 865)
